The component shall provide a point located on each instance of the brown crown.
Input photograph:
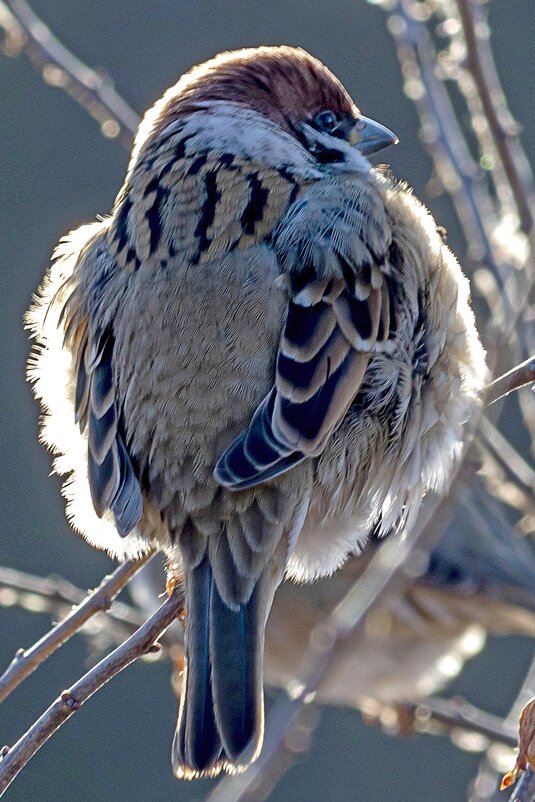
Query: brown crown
(286, 84)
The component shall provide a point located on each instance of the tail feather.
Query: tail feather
(220, 722)
(236, 649)
(197, 744)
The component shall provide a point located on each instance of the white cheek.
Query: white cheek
(352, 160)
(355, 162)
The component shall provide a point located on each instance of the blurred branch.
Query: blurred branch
(37, 594)
(454, 713)
(508, 457)
(504, 129)
(55, 589)
(25, 32)
(514, 179)
(27, 660)
(457, 171)
(143, 641)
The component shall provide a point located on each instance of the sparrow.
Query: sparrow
(263, 356)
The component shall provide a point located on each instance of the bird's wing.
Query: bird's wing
(340, 311)
(86, 318)
(112, 478)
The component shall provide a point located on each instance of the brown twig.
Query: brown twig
(25, 31)
(525, 761)
(489, 772)
(143, 641)
(27, 660)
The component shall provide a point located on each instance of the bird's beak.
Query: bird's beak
(369, 136)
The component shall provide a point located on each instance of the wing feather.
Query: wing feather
(333, 326)
(112, 478)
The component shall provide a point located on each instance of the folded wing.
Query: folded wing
(336, 319)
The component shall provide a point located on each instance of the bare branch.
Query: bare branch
(142, 642)
(518, 377)
(454, 713)
(513, 463)
(503, 128)
(457, 171)
(36, 594)
(25, 32)
(55, 590)
(26, 661)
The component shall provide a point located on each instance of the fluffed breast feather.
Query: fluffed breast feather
(85, 283)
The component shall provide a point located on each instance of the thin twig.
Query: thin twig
(142, 642)
(26, 32)
(455, 713)
(518, 377)
(53, 594)
(27, 660)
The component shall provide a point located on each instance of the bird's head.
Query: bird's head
(282, 90)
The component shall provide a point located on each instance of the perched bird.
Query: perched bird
(264, 355)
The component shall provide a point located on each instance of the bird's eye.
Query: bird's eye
(326, 121)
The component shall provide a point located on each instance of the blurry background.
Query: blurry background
(56, 172)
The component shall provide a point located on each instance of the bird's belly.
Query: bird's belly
(323, 546)
(195, 357)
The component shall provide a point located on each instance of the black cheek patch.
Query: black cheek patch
(326, 155)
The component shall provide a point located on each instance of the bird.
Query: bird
(264, 356)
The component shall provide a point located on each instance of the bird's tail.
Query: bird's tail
(221, 716)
